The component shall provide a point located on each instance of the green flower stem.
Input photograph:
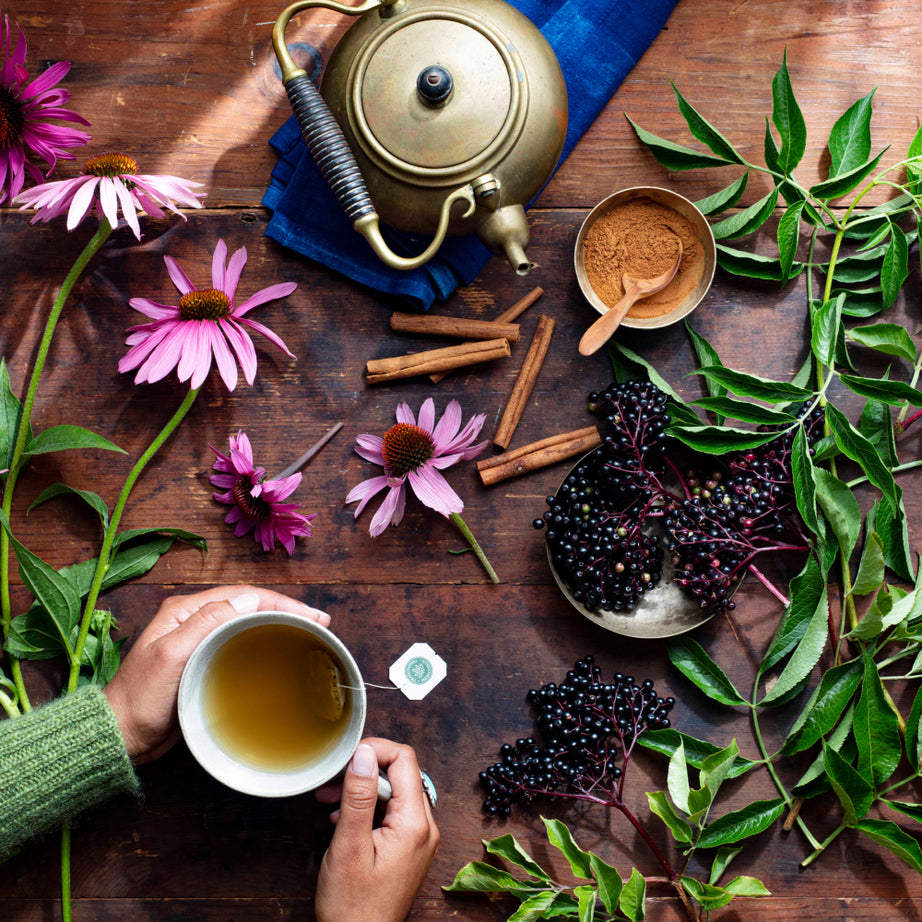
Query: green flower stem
(105, 553)
(22, 434)
(475, 547)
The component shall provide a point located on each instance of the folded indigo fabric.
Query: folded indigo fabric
(597, 42)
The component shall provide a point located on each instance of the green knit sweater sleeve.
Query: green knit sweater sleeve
(56, 761)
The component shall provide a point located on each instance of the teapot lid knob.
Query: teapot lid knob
(434, 85)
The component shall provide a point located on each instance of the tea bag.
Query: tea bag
(323, 675)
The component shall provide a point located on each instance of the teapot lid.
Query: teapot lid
(438, 93)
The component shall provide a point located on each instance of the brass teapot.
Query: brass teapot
(425, 104)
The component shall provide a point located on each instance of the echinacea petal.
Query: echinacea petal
(388, 513)
(272, 293)
(232, 275)
(243, 348)
(434, 491)
(218, 260)
(427, 415)
(447, 427)
(364, 491)
(178, 276)
(404, 414)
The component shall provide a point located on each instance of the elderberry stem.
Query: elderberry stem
(22, 434)
(769, 585)
(899, 469)
(475, 547)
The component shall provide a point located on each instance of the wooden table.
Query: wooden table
(193, 90)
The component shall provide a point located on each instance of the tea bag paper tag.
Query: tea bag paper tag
(418, 671)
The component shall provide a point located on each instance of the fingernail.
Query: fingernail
(365, 761)
(245, 603)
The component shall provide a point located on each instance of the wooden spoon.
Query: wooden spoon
(634, 289)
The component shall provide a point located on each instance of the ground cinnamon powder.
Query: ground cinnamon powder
(638, 238)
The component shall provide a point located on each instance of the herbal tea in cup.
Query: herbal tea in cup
(272, 704)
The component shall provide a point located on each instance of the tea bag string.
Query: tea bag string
(368, 685)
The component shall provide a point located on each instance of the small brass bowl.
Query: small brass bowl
(683, 207)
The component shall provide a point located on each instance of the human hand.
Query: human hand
(367, 874)
(144, 690)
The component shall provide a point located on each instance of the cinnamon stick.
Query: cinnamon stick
(458, 327)
(507, 316)
(525, 381)
(537, 455)
(435, 360)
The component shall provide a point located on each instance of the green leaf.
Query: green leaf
(814, 780)
(803, 480)
(840, 509)
(608, 881)
(10, 414)
(876, 728)
(718, 440)
(661, 806)
(826, 706)
(508, 848)
(586, 908)
(674, 156)
(561, 838)
(726, 198)
(894, 393)
(534, 907)
(855, 794)
(871, 569)
(896, 266)
(913, 737)
(93, 500)
(666, 741)
(876, 425)
(188, 537)
(34, 635)
(807, 592)
(753, 265)
(633, 896)
(913, 811)
(717, 767)
(825, 329)
(749, 385)
(842, 184)
(889, 338)
(806, 654)
(707, 355)
(705, 132)
(853, 444)
(691, 659)
(755, 413)
(62, 438)
(889, 521)
(479, 877)
(888, 834)
(617, 349)
(747, 886)
(850, 138)
(722, 858)
(788, 120)
(748, 220)
(677, 779)
(789, 238)
(707, 895)
(741, 824)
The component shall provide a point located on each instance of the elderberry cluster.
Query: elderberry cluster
(586, 724)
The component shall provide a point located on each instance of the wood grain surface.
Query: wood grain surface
(192, 89)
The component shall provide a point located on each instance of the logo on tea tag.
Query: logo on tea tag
(418, 671)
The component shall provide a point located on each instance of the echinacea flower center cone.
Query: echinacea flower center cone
(11, 119)
(207, 304)
(406, 448)
(110, 165)
(253, 507)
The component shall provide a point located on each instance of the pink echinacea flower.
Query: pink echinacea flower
(25, 107)
(206, 322)
(111, 182)
(257, 502)
(415, 452)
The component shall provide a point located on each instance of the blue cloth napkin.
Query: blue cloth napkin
(597, 42)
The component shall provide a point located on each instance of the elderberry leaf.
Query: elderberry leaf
(889, 521)
(704, 131)
(788, 120)
(747, 886)
(806, 654)
(666, 741)
(65, 437)
(716, 767)
(722, 859)
(480, 877)
(633, 897)
(871, 568)
(895, 267)
(534, 907)
(840, 508)
(693, 661)
(677, 779)
(894, 839)
(707, 896)
(889, 338)
(661, 806)
(608, 881)
(708, 356)
(675, 156)
(788, 234)
(187, 537)
(752, 265)
(853, 444)
(35, 636)
(826, 705)
(10, 414)
(770, 150)
(876, 727)
(741, 824)
(726, 198)
(93, 500)
(803, 480)
(718, 440)
(842, 184)
(913, 811)
(806, 591)
(862, 302)
(508, 848)
(559, 835)
(894, 393)
(859, 267)
(653, 376)
(748, 220)
(814, 780)
(850, 139)
(826, 328)
(586, 897)
(914, 163)
(746, 412)
(749, 385)
(855, 794)
(913, 736)
(877, 426)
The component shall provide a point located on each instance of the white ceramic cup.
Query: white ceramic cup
(241, 775)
